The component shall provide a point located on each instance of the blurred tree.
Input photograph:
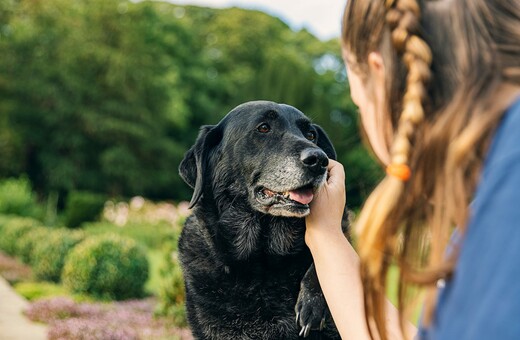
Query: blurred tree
(255, 56)
(106, 95)
(10, 143)
(92, 88)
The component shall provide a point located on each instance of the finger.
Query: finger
(336, 172)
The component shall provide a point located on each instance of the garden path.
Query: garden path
(13, 324)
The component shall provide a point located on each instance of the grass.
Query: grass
(39, 290)
(392, 284)
(152, 236)
(155, 260)
(392, 293)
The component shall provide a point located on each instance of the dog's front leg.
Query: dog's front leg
(311, 308)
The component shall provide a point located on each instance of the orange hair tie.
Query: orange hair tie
(401, 171)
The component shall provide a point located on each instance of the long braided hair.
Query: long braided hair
(443, 114)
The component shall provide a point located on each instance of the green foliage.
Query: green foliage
(37, 290)
(362, 166)
(29, 241)
(152, 235)
(12, 230)
(107, 266)
(107, 95)
(171, 292)
(17, 198)
(44, 290)
(89, 88)
(156, 261)
(48, 257)
(83, 207)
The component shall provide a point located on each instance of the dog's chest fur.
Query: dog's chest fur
(243, 274)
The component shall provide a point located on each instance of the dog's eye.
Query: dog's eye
(263, 128)
(311, 135)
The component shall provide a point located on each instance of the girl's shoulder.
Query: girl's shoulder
(505, 146)
(482, 300)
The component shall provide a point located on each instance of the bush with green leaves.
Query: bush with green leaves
(12, 230)
(107, 266)
(3, 220)
(17, 198)
(29, 241)
(49, 255)
(83, 206)
(172, 294)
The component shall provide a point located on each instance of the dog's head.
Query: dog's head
(270, 153)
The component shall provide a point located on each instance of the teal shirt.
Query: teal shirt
(482, 299)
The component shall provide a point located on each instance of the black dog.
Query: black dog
(245, 263)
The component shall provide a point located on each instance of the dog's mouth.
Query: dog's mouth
(295, 202)
(301, 196)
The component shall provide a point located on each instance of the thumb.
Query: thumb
(336, 173)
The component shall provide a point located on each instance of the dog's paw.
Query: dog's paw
(311, 311)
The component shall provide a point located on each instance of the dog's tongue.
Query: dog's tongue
(303, 196)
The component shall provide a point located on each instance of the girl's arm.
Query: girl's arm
(337, 264)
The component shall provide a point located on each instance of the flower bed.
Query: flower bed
(12, 270)
(126, 320)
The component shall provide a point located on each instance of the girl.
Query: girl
(438, 88)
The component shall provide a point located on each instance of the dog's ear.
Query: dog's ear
(194, 166)
(324, 142)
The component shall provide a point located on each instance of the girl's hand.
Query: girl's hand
(328, 205)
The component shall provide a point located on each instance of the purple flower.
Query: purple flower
(128, 320)
(91, 329)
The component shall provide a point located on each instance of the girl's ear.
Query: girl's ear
(381, 121)
(376, 64)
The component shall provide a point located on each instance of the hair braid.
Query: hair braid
(377, 243)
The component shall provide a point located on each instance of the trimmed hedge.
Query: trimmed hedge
(17, 198)
(12, 230)
(83, 206)
(29, 241)
(48, 257)
(107, 266)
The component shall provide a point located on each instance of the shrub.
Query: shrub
(29, 241)
(107, 266)
(12, 231)
(171, 290)
(83, 206)
(17, 198)
(49, 255)
(3, 220)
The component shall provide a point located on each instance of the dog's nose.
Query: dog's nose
(315, 159)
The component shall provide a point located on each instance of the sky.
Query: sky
(321, 17)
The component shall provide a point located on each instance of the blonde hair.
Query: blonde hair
(443, 113)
